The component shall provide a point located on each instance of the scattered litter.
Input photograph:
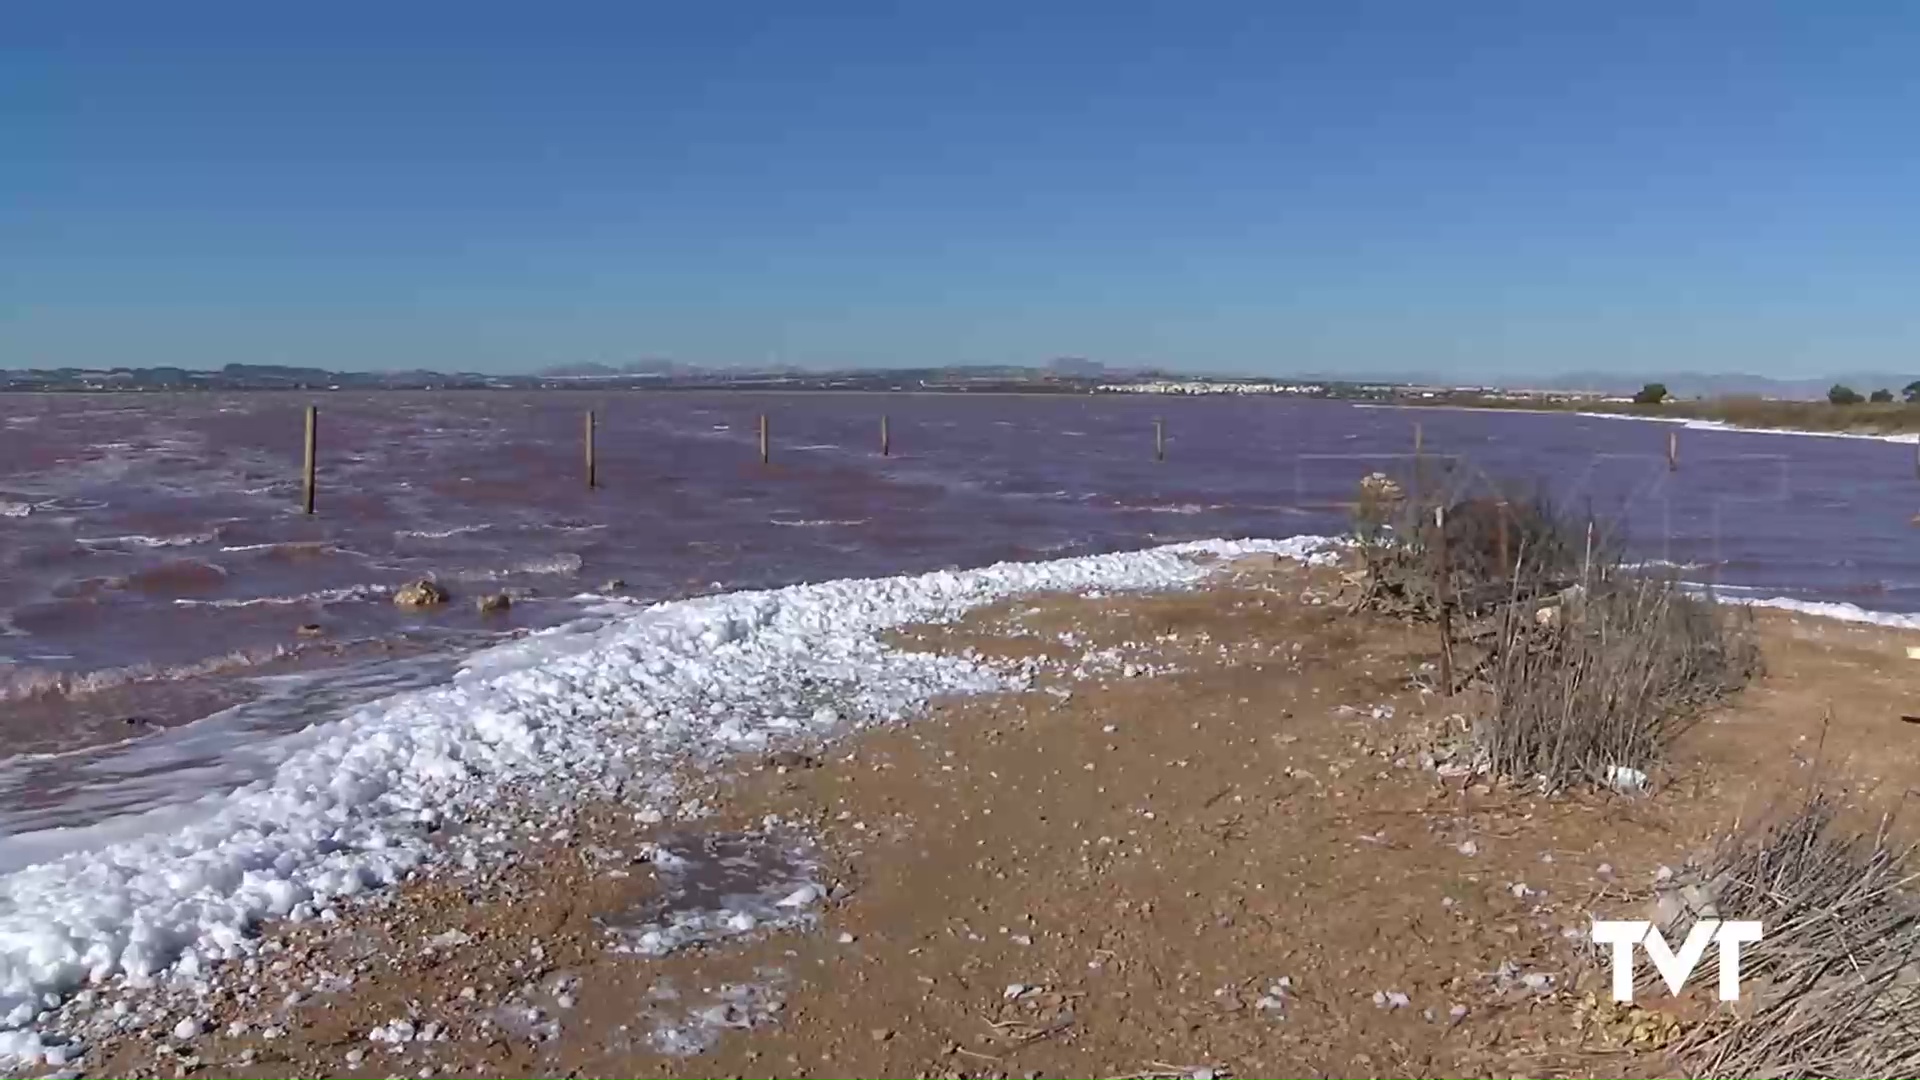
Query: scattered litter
(1627, 781)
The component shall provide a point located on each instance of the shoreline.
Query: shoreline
(450, 778)
(362, 803)
(1695, 423)
(1073, 874)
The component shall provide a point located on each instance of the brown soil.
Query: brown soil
(1108, 876)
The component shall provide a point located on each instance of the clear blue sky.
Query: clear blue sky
(1472, 188)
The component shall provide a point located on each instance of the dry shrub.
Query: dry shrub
(1833, 985)
(1497, 550)
(1605, 679)
(1592, 667)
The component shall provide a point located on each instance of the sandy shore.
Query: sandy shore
(1202, 842)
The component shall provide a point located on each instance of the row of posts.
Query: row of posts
(886, 448)
(312, 446)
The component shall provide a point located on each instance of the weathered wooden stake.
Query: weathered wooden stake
(593, 475)
(1418, 467)
(763, 439)
(1159, 439)
(1440, 598)
(886, 437)
(1916, 459)
(312, 448)
(1673, 450)
(1586, 568)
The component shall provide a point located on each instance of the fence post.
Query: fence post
(886, 437)
(1159, 439)
(763, 438)
(312, 448)
(1440, 598)
(1413, 488)
(593, 477)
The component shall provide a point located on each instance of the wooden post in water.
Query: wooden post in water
(593, 475)
(1586, 568)
(886, 437)
(1413, 487)
(763, 439)
(312, 448)
(1440, 599)
(1159, 439)
(1673, 451)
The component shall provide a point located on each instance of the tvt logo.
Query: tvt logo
(1624, 934)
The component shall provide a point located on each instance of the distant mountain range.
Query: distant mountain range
(1071, 366)
(1061, 376)
(1053, 374)
(1686, 384)
(1696, 384)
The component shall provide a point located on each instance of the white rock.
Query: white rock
(800, 897)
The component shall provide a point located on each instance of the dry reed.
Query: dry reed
(1833, 986)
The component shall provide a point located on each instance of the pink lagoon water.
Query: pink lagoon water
(155, 568)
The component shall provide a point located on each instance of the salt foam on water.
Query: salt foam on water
(349, 809)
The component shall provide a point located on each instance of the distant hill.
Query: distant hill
(1059, 373)
(1076, 366)
(1699, 384)
(1686, 384)
(610, 371)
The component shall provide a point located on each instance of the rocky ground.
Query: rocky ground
(1207, 842)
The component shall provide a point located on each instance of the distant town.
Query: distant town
(1065, 376)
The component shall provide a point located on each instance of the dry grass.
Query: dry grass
(1591, 667)
(1833, 984)
(1607, 678)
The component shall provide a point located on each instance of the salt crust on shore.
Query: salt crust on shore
(1698, 424)
(591, 709)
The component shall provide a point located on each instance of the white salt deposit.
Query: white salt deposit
(579, 709)
(1852, 613)
(1721, 425)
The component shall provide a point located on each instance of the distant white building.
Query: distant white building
(1209, 386)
